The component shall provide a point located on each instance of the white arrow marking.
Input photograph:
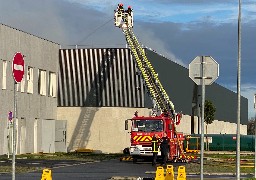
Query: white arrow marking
(18, 67)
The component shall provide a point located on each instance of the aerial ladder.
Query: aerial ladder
(124, 21)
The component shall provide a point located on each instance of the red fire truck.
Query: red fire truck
(143, 128)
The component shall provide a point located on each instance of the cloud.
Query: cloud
(40, 18)
(178, 11)
(179, 29)
(149, 39)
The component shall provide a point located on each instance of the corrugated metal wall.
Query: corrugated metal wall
(99, 78)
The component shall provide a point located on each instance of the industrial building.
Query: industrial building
(100, 88)
(80, 98)
(36, 94)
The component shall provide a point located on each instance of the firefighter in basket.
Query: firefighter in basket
(119, 13)
(129, 16)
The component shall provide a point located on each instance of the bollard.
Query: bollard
(169, 173)
(47, 174)
(159, 173)
(181, 173)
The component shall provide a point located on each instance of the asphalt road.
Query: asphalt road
(105, 170)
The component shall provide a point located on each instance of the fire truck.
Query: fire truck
(164, 118)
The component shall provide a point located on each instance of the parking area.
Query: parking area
(100, 170)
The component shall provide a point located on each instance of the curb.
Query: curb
(125, 178)
(205, 173)
(152, 178)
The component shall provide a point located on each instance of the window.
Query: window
(42, 82)
(30, 80)
(22, 85)
(4, 74)
(148, 125)
(52, 84)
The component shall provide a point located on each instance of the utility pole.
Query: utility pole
(14, 132)
(238, 95)
(18, 73)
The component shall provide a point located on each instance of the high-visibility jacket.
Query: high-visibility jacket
(154, 144)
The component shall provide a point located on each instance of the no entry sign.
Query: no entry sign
(18, 67)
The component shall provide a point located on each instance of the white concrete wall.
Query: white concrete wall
(217, 127)
(185, 125)
(102, 129)
(39, 54)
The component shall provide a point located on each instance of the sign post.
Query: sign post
(18, 73)
(203, 70)
(8, 131)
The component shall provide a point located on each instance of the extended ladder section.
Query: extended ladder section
(152, 83)
(150, 77)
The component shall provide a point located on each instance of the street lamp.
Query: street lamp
(238, 94)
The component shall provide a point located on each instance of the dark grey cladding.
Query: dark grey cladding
(99, 78)
(175, 79)
(184, 93)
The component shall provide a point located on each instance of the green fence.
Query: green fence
(221, 142)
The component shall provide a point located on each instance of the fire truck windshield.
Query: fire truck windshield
(148, 125)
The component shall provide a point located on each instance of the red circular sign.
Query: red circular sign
(18, 67)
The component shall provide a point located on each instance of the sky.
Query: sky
(178, 29)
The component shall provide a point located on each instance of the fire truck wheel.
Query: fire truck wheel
(126, 151)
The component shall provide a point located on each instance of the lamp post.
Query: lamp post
(238, 94)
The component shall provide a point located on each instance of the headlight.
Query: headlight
(131, 149)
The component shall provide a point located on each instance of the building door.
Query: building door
(48, 136)
(60, 135)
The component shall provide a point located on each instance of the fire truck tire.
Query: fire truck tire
(126, 151)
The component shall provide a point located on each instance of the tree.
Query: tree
(209, 112)
(209, 116)
(250, 127)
